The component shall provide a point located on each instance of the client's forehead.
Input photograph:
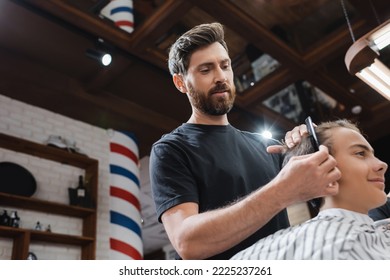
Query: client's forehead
(345, 138)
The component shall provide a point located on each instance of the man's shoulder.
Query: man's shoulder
(176, 140)
(177, 134)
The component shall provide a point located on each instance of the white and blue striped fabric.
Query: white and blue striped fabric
(334, 234)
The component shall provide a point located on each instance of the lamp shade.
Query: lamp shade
(360, 55)
(363, 59)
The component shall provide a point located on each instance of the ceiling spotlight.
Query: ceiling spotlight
(103, 57)
(356, 109)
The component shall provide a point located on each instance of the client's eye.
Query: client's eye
(361, 153)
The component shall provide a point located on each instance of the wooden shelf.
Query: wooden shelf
(42, 206)
(47, 152)
(10, 231)
(45, 236)
(60, 238)
(22, 238)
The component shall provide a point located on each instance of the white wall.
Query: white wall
(53, 179)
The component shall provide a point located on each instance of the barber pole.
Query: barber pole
(125, 209)
(121, 13)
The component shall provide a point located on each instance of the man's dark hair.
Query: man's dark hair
(195, 38)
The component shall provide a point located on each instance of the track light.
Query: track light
(103, 57)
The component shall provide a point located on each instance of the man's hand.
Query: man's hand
(291, 138)
(309, 176)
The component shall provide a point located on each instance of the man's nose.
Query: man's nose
(220, 76)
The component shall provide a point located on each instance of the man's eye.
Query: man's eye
(227, 66)
(206, 70)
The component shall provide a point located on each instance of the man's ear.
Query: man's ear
(179, 83)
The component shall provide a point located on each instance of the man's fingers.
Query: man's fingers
(275, 149)
(288, 139)
(294, 136)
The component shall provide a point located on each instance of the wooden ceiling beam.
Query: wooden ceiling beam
(137, 43)
(142, 43)
(107, 75)
(237, 20)
(278, 80)
(331, 87)
(158, 24)
(86, 22)
(302, 67)
(24, 74)
(331, 46)
(372, 11)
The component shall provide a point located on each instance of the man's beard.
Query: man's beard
(211, 105)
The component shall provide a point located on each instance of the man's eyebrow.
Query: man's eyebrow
(205, 64)
(226, 60)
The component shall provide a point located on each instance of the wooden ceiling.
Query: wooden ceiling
(43, 44)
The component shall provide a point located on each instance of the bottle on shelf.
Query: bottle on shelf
(38, 226)
(14, 219)
(79, 195)
(48, 228)
(5, 219)
(81, 192)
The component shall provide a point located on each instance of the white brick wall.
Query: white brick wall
(53, 179)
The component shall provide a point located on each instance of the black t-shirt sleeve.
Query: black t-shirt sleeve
(380, 213)
(170, 177)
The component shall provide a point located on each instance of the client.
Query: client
(342, 230)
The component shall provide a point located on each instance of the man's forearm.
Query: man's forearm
(206, 234)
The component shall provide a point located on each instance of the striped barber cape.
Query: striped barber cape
(334, 234)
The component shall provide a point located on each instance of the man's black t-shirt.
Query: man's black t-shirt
(213, 166)
(382, 212)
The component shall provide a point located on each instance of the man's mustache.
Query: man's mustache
(220, 88)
